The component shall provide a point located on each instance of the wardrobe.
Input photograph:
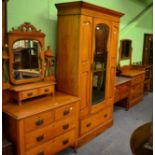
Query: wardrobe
(87, 38)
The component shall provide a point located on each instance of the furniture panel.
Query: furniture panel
(122, 91)
(38, 121)
(64, 112)
(137, 85)
(138, 79)
(65, 140)
(46, 90)
(84, 90)
(54, 145)
(94, 120)
(40, 136)
(27, 91)
(28, 94)
(117, 95)
(45, 149)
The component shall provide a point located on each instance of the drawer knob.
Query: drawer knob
(65, 126)
(40, 153)
(39, 122)
(40, 138)
(65, 141)
(66, 112)
(88, 125)
(46, 90)
(29, 94)
(105, 115)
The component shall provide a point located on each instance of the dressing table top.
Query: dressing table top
(37, 105)
(120, 80)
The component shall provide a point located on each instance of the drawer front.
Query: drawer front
(54, 146)
(38, 121)
(28, 94)
(65, 140)
(42, 135)
(95, 120)
(64, 126)
(137, 91)
(38, 137)
(117, 94)
(65, 112)
(45, 149)
(138, 79)
(46, 90)
(124, 91)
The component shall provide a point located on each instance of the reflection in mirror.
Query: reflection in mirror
(125, 49)
(26, 59)
(100, 62)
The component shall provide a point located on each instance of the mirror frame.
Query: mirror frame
(120, 51)
(25, 31)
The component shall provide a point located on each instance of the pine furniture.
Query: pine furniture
(137, 84)
(42, 126)
(87, 37)
(122, 91)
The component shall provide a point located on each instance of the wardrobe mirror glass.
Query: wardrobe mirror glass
(26, 59)
(99, 63)
(125, 49)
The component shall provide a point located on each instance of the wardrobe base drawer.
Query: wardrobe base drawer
(95, 120)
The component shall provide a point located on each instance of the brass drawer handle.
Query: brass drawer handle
(46, 90)
(66, 141)
(39, 122)
(40, 138)
(66, 112)
(29, 94)
(66, 126)
(105, 115)
(40, 153)
(88, 125)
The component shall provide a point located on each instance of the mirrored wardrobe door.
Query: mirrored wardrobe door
(99, 62)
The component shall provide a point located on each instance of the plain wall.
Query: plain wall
(43, 15)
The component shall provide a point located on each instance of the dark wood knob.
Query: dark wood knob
(88, 125)
(66, 141)
(66, 112)
(40, 138)
(39, 122)
(40, 153)
(46, 90)
(105, 115)
(65, 126)
(29, 94)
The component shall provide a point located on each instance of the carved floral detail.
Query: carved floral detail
(26, 27)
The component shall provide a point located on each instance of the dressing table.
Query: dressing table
(133, 90)
(38, 120)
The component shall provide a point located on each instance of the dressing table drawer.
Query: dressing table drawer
(46, 90)
(66, 111)
(138, 79)
(28, 94)
(38, 121)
